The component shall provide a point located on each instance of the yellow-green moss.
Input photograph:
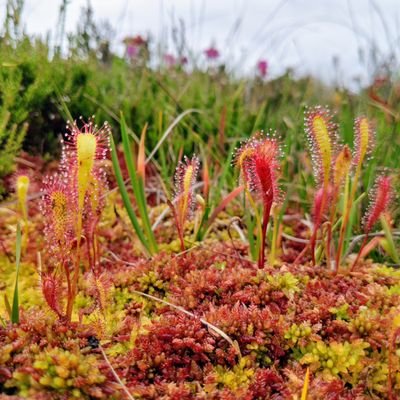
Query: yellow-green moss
(334, 359)
(28, 283)
(237, 377)
(60, 371)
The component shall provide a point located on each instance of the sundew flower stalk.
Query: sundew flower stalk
(321, 133)
(258, 160)
(382, 195)
(363, 142)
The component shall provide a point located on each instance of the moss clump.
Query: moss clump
(296, 332)
(335, 359)
(151, 283)
(341, 312)
(239, 376)
(363, 322)
(61, 371)
(286, 282)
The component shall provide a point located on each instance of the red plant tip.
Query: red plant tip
(381, 197)
(51, 292)
(321, 133)
(258, 160)
(364, 138)
(185, 178)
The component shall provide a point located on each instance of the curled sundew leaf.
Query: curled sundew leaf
(341, 167)
(22, 183)
(258, 160)
(185, 178)
(381, 196)
(321, 133)
(51, 289)
(321, 204)
(364, 137)
(141, 159)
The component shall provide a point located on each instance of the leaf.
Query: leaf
(125, 196)
(15, 305)
(137, 181)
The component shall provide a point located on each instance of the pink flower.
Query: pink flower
(169, 60)
(133, 45)
(211, 53)
(132, 51)
(262, 68)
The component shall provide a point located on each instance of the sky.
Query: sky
(331, 39)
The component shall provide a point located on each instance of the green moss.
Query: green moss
(341, 312)
(383, 270)
(260, 354)
(151, 283)
(335, 359)
(363, 321)
(286, 282)
(29, 293)
(60, 371)
(237, 377)
(296, 332)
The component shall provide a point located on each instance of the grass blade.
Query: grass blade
(125, 196)
(137, 182)
(169, 130)
(305, 385)
(15, 305)
(389, 238)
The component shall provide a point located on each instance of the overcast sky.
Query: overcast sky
(304, 34)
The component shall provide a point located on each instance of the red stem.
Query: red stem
(360, 251)
(267, 210)
(317, 224)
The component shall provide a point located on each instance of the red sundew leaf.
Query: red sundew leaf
(321, 204)
(382, 195)
(51, 291)
(258, 159)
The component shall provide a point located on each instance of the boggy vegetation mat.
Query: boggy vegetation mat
(113, 294)
(282, 319)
